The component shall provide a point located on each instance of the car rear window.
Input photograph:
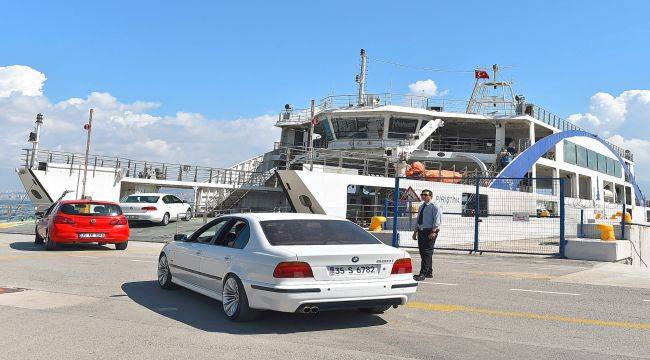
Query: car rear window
(315, 232)
(91, 209)
(142, 199)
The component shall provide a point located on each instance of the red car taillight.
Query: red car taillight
(119, 221)
(292, 269)
(149, 208)
(63, 220)
(402, 266)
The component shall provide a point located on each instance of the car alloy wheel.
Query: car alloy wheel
(165, 219)
(230, 297)
(164, 275)
(188, 215)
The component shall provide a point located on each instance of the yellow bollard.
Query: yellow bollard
(606, 232)
(628, 217)
(376, 222)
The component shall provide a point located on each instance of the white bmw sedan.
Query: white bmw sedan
(287, 262)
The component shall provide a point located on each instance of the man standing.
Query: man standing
(429, 217)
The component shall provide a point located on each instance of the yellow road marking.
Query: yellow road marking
(526, 315)
(11, 224)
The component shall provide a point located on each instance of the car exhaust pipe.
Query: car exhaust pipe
(315, 309)
(306, 309)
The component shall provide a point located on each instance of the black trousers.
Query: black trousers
(425, 245)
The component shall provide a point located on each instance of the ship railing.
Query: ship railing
(551, 119)
(302, 116)
(383, 99)
(460, 144)
(142, 169)
(298, 158)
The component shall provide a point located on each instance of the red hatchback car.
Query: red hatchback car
(83, 221)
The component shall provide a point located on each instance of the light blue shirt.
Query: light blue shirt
(431, 215)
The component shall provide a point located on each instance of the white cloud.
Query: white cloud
(623, 119)
(126, 129)
(608, 114)
(21, 80)
(425, 88)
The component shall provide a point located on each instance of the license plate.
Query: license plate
(353, 270)
(91, 235)
(132, 217)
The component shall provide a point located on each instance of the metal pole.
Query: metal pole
(562, 218)
(582, 223)
(89, 128)
(477, 206)
(311, 136)
(39, 122)
(395, 202)
(361, 79)
(623, 222)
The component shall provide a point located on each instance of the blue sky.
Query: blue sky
(242, 60)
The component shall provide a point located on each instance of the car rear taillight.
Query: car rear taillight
(63, 220)
(402, 266)
(292, 269)
(149, 208)
(119, 221)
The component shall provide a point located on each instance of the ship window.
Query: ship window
(618, 170)
(592, 160)
(569, 152)
(358, 128)
(611, 167)
(581, 156)
(602, 163)
(401, 128)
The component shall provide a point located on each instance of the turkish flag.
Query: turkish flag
(481, 74)
(315, 121)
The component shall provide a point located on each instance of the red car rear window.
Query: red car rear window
(90, 209)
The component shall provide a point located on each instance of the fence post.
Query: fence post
(477, 206)
(562, 218)
(386, 201)
(623, 222)
(582, 224)
(395, 207)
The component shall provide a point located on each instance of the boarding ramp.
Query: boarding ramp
(51, 173)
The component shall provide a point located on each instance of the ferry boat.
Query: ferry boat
(341, 155)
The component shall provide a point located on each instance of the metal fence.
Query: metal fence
(147, 169)
(476, 218)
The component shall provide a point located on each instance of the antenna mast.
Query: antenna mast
(361, 79)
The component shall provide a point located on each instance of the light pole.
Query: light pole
(88, 127)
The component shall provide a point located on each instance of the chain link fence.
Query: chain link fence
(528, 219)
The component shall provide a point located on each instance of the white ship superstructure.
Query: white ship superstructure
(330, 155)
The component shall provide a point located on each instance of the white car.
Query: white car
(155, 207)
(287, 262)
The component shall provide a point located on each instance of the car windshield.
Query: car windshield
(142, 199)
(315, 232)
(91, 209)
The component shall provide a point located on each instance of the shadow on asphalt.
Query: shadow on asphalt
(31, 246)
(205, 313)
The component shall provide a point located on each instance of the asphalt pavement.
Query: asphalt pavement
(94, 302)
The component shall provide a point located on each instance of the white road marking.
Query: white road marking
(147, 261)
(546, 292)
(436, 283)
(85, 256)
(646, 300)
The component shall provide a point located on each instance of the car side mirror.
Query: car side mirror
(39, 214)
(180, 237)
